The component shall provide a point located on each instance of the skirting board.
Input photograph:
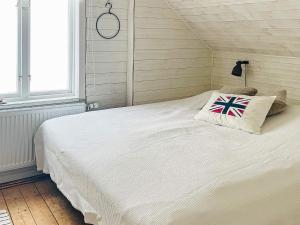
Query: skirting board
(18, 174)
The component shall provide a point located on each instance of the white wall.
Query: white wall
(255, 26)
(266, 32)
(170, 61)
(171, 55)
(265, 72)
(106, 63)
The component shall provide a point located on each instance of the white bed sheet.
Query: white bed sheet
(155, 164)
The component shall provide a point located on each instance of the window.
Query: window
(38, 49)
(8, 43)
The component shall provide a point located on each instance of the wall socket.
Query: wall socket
(93, 106)
(2, 101)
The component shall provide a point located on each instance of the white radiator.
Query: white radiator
(17, 129)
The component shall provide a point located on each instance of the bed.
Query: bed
(154, 164)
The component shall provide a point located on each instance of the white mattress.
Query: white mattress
(155, 164)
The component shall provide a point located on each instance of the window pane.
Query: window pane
(8, 46)
(49, 45)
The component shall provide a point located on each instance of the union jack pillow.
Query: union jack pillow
(230, 105)
(242, 112)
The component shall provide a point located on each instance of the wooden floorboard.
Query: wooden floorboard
(38, 203)
(37, 206)
(17, 207)
(2, 202)
(58, 204)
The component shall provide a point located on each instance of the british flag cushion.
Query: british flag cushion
(242, 112)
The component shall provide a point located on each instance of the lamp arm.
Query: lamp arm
(246, 75)
(245, 63)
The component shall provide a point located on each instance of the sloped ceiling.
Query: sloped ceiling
(255, 26)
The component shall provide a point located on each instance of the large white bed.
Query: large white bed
(154, 164)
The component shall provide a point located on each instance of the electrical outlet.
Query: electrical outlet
(93, 106)
(2, 101)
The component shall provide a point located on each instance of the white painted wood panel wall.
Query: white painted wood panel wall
(170, 61)
(255, 26)
(106, 63)
(265, 72)
(266, 32)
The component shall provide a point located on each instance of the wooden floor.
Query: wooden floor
(38, 203)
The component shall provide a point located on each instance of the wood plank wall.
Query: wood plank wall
(268, 73)
(170, 61)
(266, 32)
(256, 26)
(106, 63)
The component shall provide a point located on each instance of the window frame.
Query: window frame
(76, 50)
(16, 95)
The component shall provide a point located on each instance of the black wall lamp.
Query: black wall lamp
(238, 70)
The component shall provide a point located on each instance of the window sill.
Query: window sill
(40, 102)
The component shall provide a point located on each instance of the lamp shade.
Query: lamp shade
(238, 70)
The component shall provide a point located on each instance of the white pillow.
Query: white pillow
(242, 112)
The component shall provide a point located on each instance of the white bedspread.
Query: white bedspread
(155, 164)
